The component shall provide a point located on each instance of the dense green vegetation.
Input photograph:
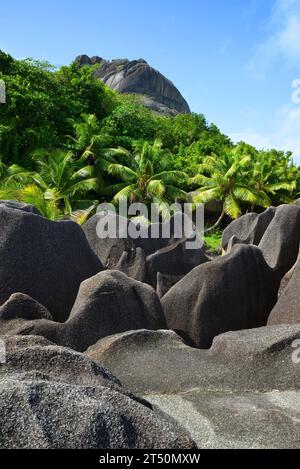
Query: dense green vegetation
(68, 142)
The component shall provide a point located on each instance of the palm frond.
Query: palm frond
(231, 206)
(125, 173)
(156, 188)
(123, 194)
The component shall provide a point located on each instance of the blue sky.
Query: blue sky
(233, 60)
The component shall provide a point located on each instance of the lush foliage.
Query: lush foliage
(67, 142)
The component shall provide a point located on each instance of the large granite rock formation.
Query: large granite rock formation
(287, 309)
(247, 229)
(280, 242)
(137, 76)
(107, 303)
(44, 259)
(175, 259)
(54, 398)
(236, 291)
(235, 395)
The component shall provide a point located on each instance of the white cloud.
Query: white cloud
(282, 41)
(286, 134)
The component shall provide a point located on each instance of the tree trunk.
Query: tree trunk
(217, 222)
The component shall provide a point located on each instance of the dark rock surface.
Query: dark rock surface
(137, 76)
(285, 281)
(141, 251)
(247, 229)
(20, 206)
(44, 259)
(166, 282)
(108, 249)
(234, 395)
(18, 310)
(133, 264)
(280, 242)
(287, 309)
(160, 361)
(236, 291)
(106, 304)
(54, 398)
(23, 306)
(174, 259)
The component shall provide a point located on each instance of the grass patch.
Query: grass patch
(213, 241)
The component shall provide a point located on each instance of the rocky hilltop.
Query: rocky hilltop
(137, 76)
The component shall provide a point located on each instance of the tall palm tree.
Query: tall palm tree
(226, 179)
(142, 178)
(93, 147)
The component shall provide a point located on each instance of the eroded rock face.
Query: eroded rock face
(287, 309)
(20, 306)
(236, 291)
(19, 206)
(160, 361)
(107, 303)
(18, 310)
(166, 282)
(175, 259)
(247, 229)
(108, 249)
(280, 242)
(43, 259)
(137, 76)
(54, 398)
(246, 376)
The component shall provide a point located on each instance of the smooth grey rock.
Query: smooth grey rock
(236, 291)
(106, 304)
(18, 310)
(55, 398)
(247, 229)
(285, 281)
(160, 361)
(137, 76)
(280, 242)
(166, 282)
(239, 420)
(110, 235)
(20, 206)
(44, 259)
(235, 395)
(174, 259)
(287, 309)
(133, 264)
(23, 306)
(109, 249)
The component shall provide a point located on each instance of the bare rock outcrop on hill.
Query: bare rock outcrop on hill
(137, 76)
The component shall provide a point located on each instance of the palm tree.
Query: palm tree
(93, 147)
(46, 201)
(227, 180)
(59, 186)
(142, 178)
(273, 175)
(13, 175)
(17, 183)
(69, 181)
